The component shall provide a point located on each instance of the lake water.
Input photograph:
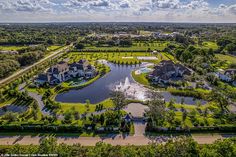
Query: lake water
(101, 89)
(12, 108)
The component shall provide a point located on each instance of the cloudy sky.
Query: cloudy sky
(118, 10)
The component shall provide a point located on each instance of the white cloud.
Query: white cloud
(116, 10)
(172, 4)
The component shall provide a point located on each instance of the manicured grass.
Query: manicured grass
(81, 108)
(227, 58)
(7, 102)
(141, 78)
(12, 48)
(53, 47)
(224, 61)
(210, 44)
(141, 46)
(132, 130)
(116, 57)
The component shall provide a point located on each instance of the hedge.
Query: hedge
(194, 129)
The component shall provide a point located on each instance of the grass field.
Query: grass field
(53, 47)
(81, 108)
(12, 48)
(209, 44)
(141, 78)
(227, 58)
(140, 46)
(117, 57)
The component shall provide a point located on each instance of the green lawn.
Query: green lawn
(81, 108)
(117, 57)
(136, 46)
(227, 58)
(224, 61)
(7, 102)
(12, 48)
(210, 44)
(140, 78)
(53, 47)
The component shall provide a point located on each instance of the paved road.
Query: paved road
(55, 53)
(137, 110)
(36, 97)
(113, 140)
(40, 102)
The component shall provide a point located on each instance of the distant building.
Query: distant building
(227, 76)
(63, 71)
(9, 52)
(168, 70)
(230, 72)
(223, 77)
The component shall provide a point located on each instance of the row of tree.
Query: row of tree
(181, 147)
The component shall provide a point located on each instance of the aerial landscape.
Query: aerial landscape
(118, 78)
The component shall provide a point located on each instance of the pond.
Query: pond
(101, 89)
(12, 108)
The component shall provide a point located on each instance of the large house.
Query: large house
(167, 70)
(227, 76)
(64, 71)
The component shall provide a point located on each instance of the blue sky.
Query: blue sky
(118, 10)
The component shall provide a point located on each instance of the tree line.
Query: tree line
(180, 147)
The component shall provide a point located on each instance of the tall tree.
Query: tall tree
(119, 99)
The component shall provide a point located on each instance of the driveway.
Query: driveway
(136, 109)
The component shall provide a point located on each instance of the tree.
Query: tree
(171, 104)
(220, 99)
(2, 99)
(48, 145)
(79, 46)
(156, 112)
(170, 116)
(10, 117)
(119, 100)
(184, 115)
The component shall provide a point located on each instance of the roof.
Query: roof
(42, 77)
(127, 117)
(231, 71)
(58, 68)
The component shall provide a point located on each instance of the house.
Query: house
(127, 118)
(63, 71)
(230, 72)
(223, 77)
(167, 70)
(82, 69)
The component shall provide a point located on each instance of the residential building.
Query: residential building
(63, 71)
(167, 71)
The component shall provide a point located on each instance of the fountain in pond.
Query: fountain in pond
(132, 90)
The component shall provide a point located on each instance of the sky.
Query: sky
(206, 11)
